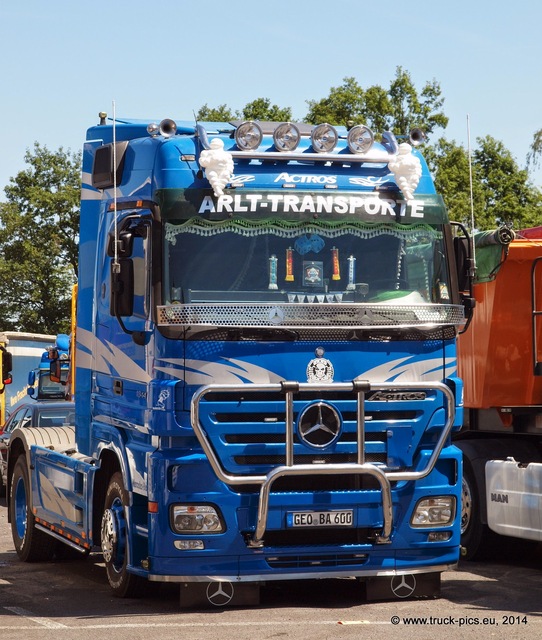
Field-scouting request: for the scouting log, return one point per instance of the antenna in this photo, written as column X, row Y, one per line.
column 470, row 175
column 471, row 192
column 116, row 265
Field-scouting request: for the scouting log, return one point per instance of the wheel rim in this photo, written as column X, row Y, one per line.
column 113, row 535
column 466, row 505
column 20, row 508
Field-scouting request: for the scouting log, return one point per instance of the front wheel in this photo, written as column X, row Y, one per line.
column 31, row 544
column 115, row 541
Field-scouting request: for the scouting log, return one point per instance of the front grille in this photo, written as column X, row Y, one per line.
column 248, row 432
column 315, row 561
column 254, row 445
column 319, row 537
column 318, row 458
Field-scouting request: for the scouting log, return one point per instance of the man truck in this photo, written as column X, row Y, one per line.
column 266, row 365
column 500, row 362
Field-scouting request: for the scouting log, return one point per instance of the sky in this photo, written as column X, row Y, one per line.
column 64, row 61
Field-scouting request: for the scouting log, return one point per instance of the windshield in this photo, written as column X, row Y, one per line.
column 239, row 260
column 57, row 417
column 47, row 389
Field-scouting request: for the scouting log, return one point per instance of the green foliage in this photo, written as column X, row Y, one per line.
column 222, row 113
column 343, row 106
column 508, row 195
column 502, row 193
column 399, row 109
column 262, row 109
column 259, row 109
column 535, row 151
column 410, row 109
column 449, row 164
column 39, row 242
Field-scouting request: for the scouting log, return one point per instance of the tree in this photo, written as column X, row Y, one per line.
column 410, row 110
column 502, row 193
column 262, row 109
column 259, row 109
column 343, row 105
column 39, row 242
column 535, row 151
column 222, row 113
column 399, row 109
column 508, row 195
column 449, row 164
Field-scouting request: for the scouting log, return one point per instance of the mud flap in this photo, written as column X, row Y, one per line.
column 403, row 587
column 205, row 595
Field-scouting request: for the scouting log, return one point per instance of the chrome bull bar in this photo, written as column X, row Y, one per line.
column 289, row 388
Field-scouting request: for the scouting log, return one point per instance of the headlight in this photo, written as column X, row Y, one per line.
column 434, row 512
column 189, row 518
column 248, row 136
column 286, row 137
column 324, row 138
column 360, row 139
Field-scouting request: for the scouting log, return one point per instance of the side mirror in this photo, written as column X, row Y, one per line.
column 464, row 260
column 7, row 366
column 55, row 372
column 122, row 288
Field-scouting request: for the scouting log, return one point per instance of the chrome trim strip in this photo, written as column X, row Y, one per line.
column 304, row 576
column 310, row 316
column 374, row 156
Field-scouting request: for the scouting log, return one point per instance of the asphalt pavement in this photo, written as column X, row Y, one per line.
column 70, row 599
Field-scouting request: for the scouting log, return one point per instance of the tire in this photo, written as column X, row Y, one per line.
column 115, row 541
column 31, row 544
column 477, row 539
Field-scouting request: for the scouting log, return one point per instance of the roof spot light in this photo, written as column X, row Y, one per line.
column 248, row 136
column 286, row 137
column 360, row 139
column 324, row 137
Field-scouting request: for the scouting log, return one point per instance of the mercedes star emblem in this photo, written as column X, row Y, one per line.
column 319, row 425
column 403, row 586
column 220, row 594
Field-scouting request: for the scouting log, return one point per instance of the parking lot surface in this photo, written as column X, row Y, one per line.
column 70, row 599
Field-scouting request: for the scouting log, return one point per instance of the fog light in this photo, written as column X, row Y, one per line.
column 248, row 136
column 439, row 536
column 195, row 519
column 360, row 139
column 286, row 137
column 434, row 512
column 188, row 545
column 324, row 138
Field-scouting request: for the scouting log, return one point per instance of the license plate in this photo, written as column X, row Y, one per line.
column 344, row 518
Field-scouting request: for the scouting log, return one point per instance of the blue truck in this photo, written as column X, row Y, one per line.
column 28, row 353
column 43, row 384
column 265, row 360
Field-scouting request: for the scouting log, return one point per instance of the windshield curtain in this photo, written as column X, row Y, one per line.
column 333, row 261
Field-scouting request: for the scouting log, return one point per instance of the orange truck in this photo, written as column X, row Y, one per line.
column 500, row 362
